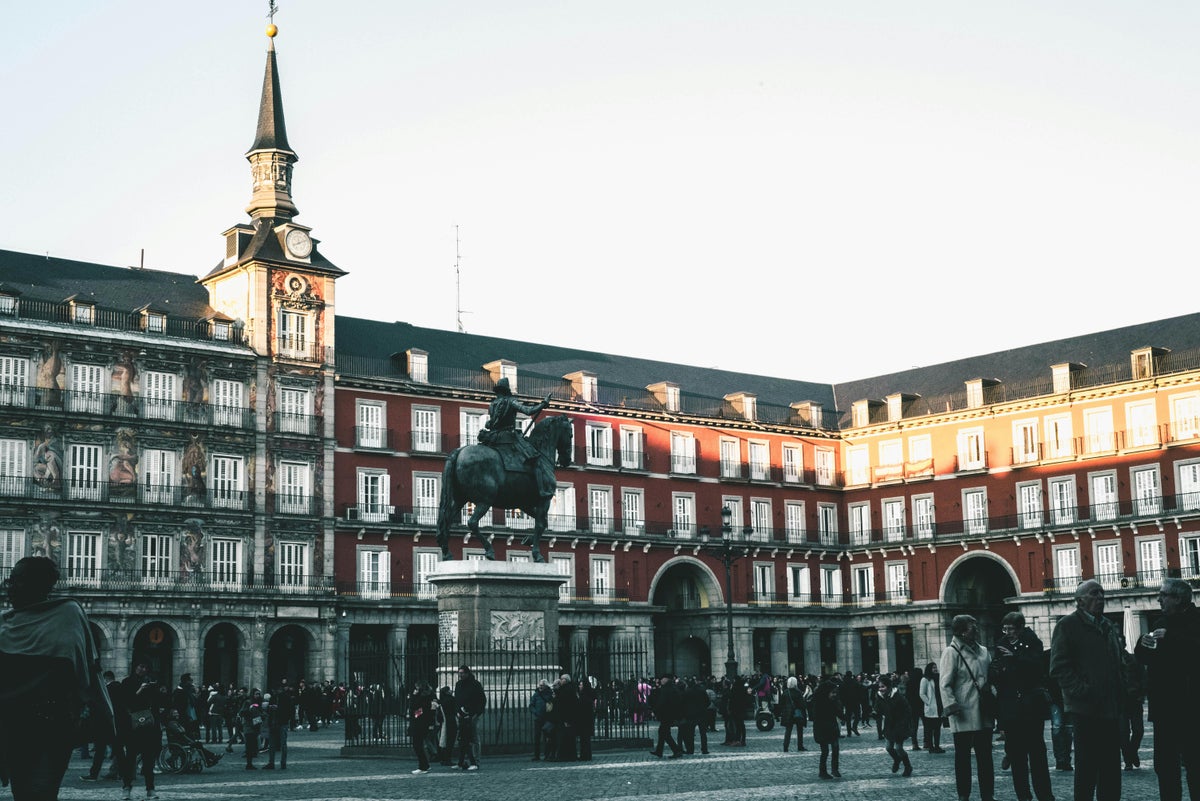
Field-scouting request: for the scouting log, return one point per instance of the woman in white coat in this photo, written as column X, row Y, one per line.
column 964, row 669
column 931, row 709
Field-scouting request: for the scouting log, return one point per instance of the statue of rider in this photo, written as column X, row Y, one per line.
column 502, row 427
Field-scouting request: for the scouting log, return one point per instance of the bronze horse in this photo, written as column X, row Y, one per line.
column 475, row 474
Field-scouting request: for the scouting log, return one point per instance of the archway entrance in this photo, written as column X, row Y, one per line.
column 681, row 633
column 221, row 646
column 978, row 586
column 287, row 656
column 156, row 643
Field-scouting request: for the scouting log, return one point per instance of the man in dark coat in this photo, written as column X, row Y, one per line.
column 667, row 705
column 695, row 716
column 471, row 701
column 1085, row 660
column 1170, row 653
column 1017, row 674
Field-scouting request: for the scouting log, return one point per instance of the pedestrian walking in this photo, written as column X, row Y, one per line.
column 826, row 713
column 1024, row 705
column 421, row 705
column 470, row 700
column 963, row 670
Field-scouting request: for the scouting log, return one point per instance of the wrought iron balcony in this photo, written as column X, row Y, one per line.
column 372, row 438
column 1141, row 580
column 115, row 405
column 181, row 495
column 290, row 423
column 135, row 579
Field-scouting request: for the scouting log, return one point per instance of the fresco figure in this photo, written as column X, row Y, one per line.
column 48, row 460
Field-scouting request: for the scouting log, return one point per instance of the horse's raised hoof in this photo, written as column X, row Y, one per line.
column 537, row 557
column 447, row 556
column 490, row 556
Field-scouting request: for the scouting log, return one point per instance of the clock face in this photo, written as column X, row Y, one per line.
column 298, row 243
column 295, row 284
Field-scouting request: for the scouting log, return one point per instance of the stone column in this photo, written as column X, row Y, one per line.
column 812, row 651
column 341, row 665
column 743, row 647
column 887, row 648
column 849, row 651
column 779, row 651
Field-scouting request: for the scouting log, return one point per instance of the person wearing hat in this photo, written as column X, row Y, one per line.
column 502, row 427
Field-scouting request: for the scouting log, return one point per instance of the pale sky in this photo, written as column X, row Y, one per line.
column 814, row 190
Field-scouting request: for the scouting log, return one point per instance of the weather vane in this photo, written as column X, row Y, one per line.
column 271, row 29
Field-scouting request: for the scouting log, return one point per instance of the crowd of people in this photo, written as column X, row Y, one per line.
column 1088, row 684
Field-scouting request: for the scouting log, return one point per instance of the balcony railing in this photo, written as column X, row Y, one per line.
column 1141, row 580
column 120, row 580
column 117, row 320
column 295, row 503
column 297, row 347
column 432, row 443
column 112, row 404
column 287, row 423
column 372, row 437
column 26, row 487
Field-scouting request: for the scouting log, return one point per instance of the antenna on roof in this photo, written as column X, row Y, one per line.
column 458, row 311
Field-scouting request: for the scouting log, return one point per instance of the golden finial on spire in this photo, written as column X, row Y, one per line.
column 271, row 29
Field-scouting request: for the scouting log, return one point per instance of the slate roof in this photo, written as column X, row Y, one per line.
column 121, row 288
column 271, row 133
column 264, row 246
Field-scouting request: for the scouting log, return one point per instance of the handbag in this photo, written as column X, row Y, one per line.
column 141, row 719
column 988, row 706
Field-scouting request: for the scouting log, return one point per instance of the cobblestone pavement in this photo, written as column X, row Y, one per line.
column 759, row 772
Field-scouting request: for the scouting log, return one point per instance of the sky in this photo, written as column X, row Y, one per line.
column 814, row 190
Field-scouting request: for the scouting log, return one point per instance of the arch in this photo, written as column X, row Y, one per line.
column 157, row 642
column 981, row 584
column 288, row 652
column 950, row 576
column 220, row 658
column 709, row 587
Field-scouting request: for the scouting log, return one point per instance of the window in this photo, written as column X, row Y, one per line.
column 764, row 582
column 1108, row 564
column 564, row 565
column 970, row 450
column 12, row 548
column 158, row 476
column 293, row 333
column 760, row 461
column 418, row 366
column 514, row 519
column 923, row 517
column 373, row 495
column 8, row 305
column 158, row 395
column 794, row 524
column 633, row 512
column 975, row 518
column 827, row 528
column 864, row 585
column 793, row 464
column 860, row 523
column 1151, row 564
column 896, row 574
column 227, row 402
column 156, row 323
column 1147, row 498
column 1098, row 425
column 13, row 466
column 893, row 519
column 85, row 472
column 600, row 513
column 225, row 562
column 83, row 313
column 632, row 456
column 1104, row 496
column 425, row 563
column 561, row 516
column 683, row 521
column 1059, row 435
column 824, row 466
column 1025, row 442
column 859, row 459
column 221, row 331
column 83, row 557
column 683, row 453
column 599, row 444
column 831, row 585
column 731, row 459
column 1029, row 505
column 799, row 585
column 86, row 395
column 1189, row 557
column 427, row 489
column 294, row 410
column 602, row 579
column 1066, row 568
column 737, row 515
column 156, row 557
column 470, row 422
column 291, row 565
column 375, row 573
column 228, row 490
column 760, row 519
column 1185, row 414
column 369, row 428
column 1188, row 485
column 1062, row 501
column 672, row 399
column 292, row 493
column 1143, row 427
column 920, row 449
column 891, row 452
column 426, row 429
column 14, row 381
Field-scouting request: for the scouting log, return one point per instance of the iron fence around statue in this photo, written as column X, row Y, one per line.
column 383, row 678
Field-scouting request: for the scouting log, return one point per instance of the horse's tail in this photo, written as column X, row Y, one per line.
column 446, row 501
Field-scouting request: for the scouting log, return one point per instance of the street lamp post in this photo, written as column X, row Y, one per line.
column 728, row 552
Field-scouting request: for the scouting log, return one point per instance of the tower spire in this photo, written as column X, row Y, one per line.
column 271, row 157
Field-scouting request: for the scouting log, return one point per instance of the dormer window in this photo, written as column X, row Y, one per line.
column 221, row 331
column 1062, row 375
column 584, row 385
column 8, row 305
column 1142, row 361
column 745, row 404
column 667, row 394
column 83, row 313
column 154, row 322
column 503, row 368
column 418, row 366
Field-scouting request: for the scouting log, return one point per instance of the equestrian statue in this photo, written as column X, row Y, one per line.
column 505, row 470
